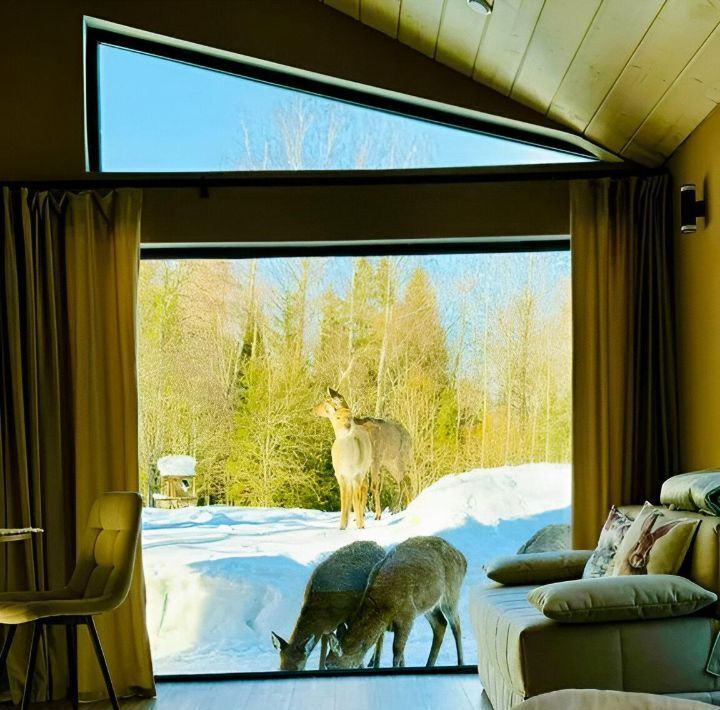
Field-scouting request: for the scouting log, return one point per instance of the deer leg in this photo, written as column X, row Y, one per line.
column 376, row 481
column 454, row 618
column 323, row 651
column 401, row 632
column 358, row 506
column 378, row 651
column 399, row 502
column 438, row 624
column 344, row 503
column 364, row 496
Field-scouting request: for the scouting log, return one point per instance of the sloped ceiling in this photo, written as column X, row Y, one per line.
column 634, row 76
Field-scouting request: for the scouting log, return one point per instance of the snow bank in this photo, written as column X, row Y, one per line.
column 220, row 579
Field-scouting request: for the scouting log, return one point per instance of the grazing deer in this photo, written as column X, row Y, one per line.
column 422, row 575
column 332, row 596
column 637, row 559
column 391, row 446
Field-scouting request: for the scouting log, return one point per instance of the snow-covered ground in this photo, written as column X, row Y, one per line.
column 220, row 579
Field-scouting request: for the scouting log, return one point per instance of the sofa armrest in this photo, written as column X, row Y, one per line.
column 538, row 567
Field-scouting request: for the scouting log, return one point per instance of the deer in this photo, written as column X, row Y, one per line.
column 422, row 575
column 392, row 450
column 391, row 446
column 332, row 596
column 636, row 561
column 351, row 456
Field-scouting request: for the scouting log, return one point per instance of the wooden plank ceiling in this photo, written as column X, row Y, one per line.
column 634, row 76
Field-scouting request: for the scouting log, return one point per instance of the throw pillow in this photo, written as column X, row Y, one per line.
column 607, row 599
column 655, row 543
column 602, row 559
column 538, row 567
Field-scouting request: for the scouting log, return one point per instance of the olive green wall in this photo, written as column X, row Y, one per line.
column 698, row 292
column 42, row 121
column 41, row 52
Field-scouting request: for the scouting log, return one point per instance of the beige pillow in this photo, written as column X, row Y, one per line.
column 654, row 543
column 606, row 599
column 538, row 567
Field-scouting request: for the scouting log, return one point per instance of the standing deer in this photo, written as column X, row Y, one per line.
column 332, row 596
column 422, row 575
column 637, row 559
column 351, row 456
column 391, row 446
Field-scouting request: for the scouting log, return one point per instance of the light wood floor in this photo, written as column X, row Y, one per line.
column 460, row 692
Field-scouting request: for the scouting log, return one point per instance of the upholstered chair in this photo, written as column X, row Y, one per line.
column 99, row 584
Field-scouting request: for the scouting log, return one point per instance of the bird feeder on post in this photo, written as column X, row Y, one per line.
column 177, row 482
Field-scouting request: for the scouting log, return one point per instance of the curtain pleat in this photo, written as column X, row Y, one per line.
column 68, row 414
column 625, row 425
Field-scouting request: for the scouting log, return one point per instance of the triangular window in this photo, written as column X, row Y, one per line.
column 162, row 114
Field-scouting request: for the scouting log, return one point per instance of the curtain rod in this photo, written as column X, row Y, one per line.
column 454, row 176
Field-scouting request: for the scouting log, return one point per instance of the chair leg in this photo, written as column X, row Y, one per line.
column 27, row 690
column 71, row 638
column 6, row 646
column 101, row 660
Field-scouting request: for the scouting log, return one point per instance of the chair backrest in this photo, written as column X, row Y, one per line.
column 106, row 549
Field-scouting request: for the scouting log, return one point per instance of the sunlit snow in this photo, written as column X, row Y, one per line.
column 220, row 579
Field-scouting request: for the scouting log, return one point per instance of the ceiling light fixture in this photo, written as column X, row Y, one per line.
column 482, row 6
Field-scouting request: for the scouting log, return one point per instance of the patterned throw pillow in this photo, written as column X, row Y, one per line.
column 655, row 543
column 601, row 561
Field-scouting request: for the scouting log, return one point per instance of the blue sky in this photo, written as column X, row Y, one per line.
column 158, row 115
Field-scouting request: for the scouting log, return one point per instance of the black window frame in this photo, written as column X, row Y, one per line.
column 95, row 36
column 289, row 79
column 390, row 247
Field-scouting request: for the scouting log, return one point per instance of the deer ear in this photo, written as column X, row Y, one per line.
column 309, row 645
column 279, row 643
column 334, row 645
column 333, row 393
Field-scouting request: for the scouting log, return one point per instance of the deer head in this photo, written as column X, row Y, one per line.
column 338, row 657
column 336, row 409
column 293, row 656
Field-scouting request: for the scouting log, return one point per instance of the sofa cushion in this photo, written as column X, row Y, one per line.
column 603, row 557
column 654, row 596
column 607, row 700
column 523, row 653
column 655, row 543
column 698, row 490
column 538, row 567
column 701, row 561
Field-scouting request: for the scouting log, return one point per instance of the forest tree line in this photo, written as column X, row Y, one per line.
column 232, row 362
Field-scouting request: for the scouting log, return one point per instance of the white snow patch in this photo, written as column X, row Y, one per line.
column 177, row 465
column 220, row 579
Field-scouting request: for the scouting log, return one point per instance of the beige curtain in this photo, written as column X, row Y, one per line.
column 68, row 335
column 625, row 426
